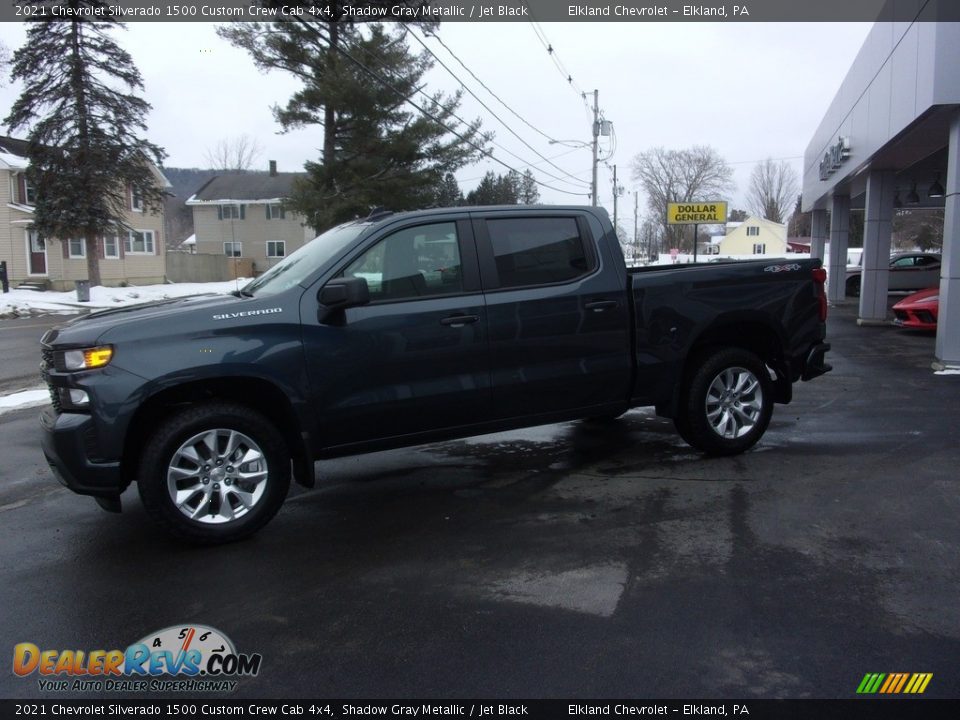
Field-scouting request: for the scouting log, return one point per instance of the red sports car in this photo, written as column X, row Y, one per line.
column 918, row 311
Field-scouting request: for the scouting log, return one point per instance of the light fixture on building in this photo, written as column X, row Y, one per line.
column 912, row 197
column 936, row 190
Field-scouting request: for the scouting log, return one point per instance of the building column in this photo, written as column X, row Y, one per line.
column 877, row 228
column 839, row 235
column 818, row 233
column 948, row 322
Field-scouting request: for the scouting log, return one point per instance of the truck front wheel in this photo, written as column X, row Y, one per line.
column 728, row 403
column 214, row 473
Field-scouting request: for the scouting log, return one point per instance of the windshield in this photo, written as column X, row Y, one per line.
column 295, row 267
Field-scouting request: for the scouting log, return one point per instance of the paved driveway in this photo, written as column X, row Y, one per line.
column 570, row 561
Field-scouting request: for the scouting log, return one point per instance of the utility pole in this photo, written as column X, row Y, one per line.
column 596, row 140
column 636, row 210
column 616, row 194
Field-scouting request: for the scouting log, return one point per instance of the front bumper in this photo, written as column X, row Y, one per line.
column 64, row 439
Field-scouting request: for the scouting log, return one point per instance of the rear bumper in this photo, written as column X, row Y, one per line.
column 813, row 364
column 63, row 441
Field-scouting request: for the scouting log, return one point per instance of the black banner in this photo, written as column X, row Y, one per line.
column 856, row 709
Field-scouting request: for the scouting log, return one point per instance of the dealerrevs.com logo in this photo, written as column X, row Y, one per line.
column 180, row 658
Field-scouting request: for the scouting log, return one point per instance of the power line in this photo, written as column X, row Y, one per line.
column 469, row 142
column 488, row 109
column 385, row 67
column 485, row 87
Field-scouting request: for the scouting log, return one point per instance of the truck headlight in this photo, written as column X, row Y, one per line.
column 87, row 358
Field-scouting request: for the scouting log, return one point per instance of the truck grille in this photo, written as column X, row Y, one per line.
column 46, row 362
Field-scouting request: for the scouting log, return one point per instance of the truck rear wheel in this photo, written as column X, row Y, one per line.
column 214, row 473
column 728, row 403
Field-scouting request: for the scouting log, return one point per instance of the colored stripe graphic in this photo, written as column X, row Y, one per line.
column 894, row 683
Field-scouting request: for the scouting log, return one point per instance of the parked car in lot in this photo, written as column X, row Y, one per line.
column 908, row 271
column 918, row 311
column 411, row 328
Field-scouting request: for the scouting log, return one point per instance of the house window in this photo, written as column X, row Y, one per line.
column 759, row 248
column 752, row 230
column 231, row 212
column 139, row 242
column 30, row 193
column 233, row 249
column 275, row 212
column 111, row 246
column 276, row 248
column 136, row 200
column 78, row 248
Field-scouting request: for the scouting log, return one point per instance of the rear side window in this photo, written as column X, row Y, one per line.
column 537, row 251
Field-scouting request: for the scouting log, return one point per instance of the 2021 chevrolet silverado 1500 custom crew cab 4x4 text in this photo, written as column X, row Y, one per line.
column 409, row 328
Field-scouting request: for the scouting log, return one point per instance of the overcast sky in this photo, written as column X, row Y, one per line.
column 751, row 90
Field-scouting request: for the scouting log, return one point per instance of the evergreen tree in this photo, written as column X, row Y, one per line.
column 495, row 190
column 80, row 104
column 448, row 194
column 529, row 194
column 356, row 78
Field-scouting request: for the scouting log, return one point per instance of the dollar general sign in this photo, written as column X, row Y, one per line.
column 696, row 213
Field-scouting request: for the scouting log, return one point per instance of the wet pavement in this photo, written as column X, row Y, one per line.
column 574, row 560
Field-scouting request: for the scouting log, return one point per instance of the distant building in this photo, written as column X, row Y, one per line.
column 241, row 215
column 134, row 254
column 755, row 236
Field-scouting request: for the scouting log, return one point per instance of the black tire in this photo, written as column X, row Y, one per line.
column 853, row 286
column 170, row 450
column 743, row 414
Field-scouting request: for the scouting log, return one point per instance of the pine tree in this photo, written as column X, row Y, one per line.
column 529, row 194
column 378, row 150
column 449, row 195
column 84, row 151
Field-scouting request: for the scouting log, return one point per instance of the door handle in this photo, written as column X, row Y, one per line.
column 459, row 320
column 601, row 305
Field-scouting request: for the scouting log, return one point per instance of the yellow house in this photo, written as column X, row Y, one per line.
column 755, row 236
column 134, row 254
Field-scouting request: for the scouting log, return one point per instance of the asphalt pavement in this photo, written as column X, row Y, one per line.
column 20, row 350
column 571, row 561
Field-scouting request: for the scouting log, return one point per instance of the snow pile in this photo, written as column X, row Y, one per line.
column 30, row 302
column 25, row 399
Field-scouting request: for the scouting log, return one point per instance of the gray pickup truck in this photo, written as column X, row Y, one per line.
column 409, row 328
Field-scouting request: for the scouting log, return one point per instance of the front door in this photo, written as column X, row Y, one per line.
column 415, row 359
column 37, row 253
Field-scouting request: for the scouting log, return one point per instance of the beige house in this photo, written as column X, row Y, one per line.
column 755, row 236
column 133, row 255
column 241, row 215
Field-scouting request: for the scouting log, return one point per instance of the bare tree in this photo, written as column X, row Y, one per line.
column 773, row 189
column 234, row 154
column 694, row 174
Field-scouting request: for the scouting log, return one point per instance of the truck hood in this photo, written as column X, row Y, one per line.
column 88, row 329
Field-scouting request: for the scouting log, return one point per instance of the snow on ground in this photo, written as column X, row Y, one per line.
column 24, row 399
column 31, row 302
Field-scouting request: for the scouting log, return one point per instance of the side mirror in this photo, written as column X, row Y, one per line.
column 342, row 293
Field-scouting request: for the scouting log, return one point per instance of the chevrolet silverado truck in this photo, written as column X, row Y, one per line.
column 407, row 328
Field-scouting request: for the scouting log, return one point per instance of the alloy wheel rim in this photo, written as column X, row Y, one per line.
column 217, row 476
column 734, row 403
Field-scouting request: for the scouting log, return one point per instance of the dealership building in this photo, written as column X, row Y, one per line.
column 890, row 139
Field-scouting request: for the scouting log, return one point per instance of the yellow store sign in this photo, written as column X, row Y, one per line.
column 697, row 213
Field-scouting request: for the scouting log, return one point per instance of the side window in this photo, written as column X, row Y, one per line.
column 421, row 261
column 537, row 251
column 924, row 261
column 903, row 262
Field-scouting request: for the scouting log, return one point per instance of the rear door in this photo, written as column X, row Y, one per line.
column 556, row 310
column 415, row 359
